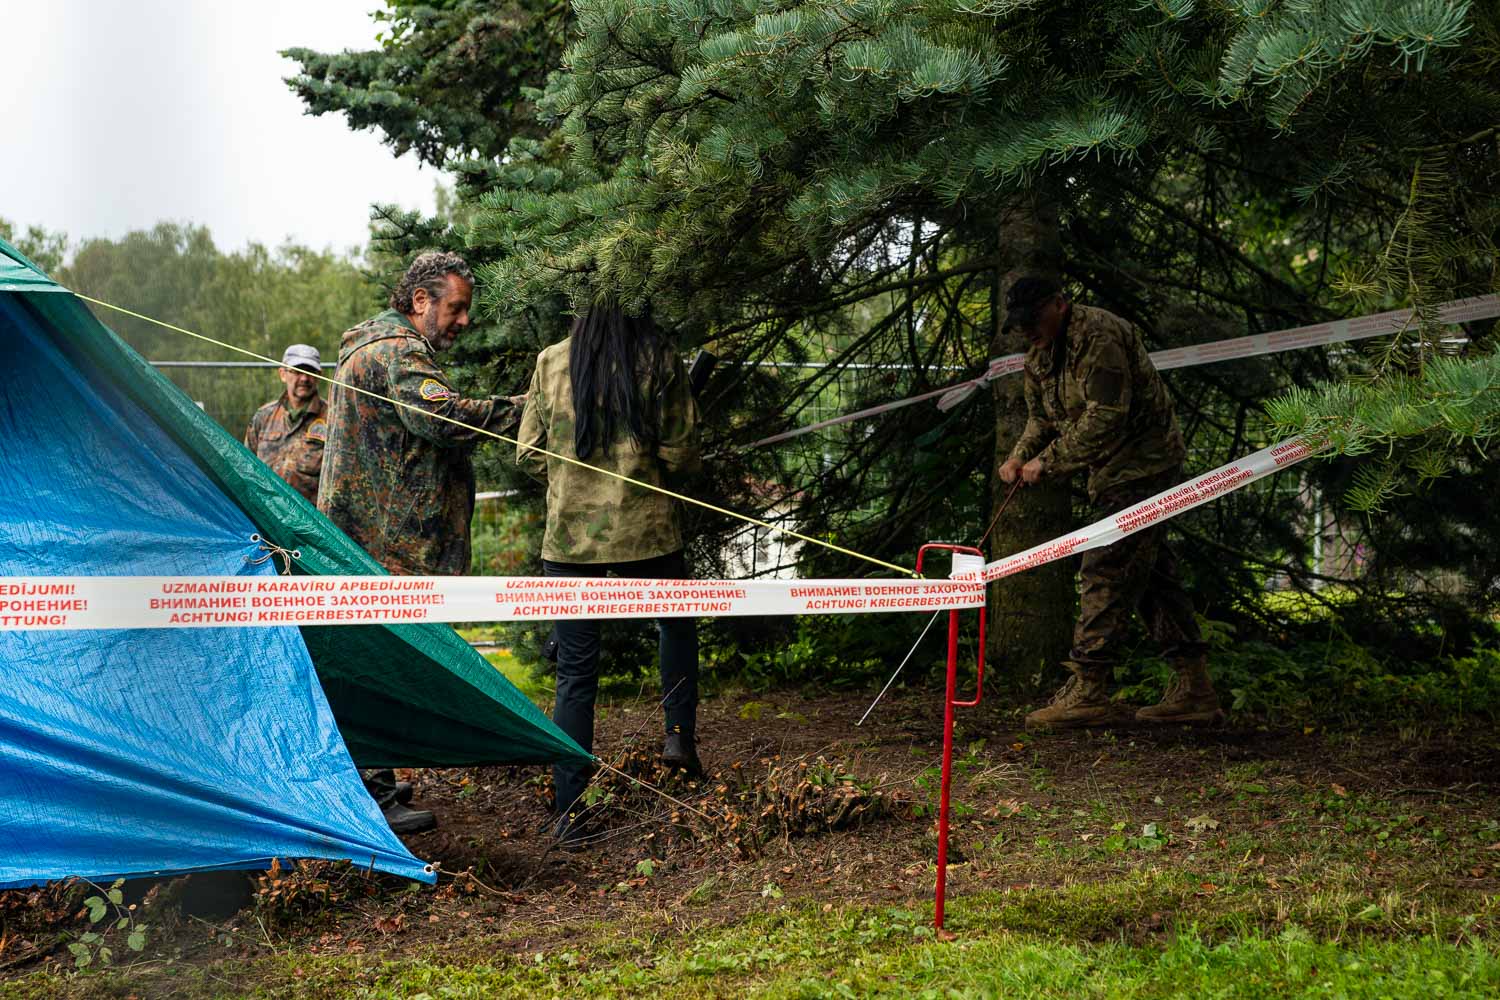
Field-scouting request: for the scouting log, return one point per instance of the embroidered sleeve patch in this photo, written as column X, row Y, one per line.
column 318, row 430
column 434, row 391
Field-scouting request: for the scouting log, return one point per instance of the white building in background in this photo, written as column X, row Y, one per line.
column 761, row 553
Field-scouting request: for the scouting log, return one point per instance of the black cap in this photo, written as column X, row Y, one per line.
column 1025, row 299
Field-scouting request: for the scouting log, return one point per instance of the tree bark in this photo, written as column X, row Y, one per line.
column 1032, row 613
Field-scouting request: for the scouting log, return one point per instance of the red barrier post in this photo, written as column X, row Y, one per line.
column 950, row 702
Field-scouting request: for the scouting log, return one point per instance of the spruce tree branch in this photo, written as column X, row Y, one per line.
column 836, row 365
column 586, row 115
column 1443, row 147
column 870, row 291
column 1292, row 570
column 1225, row 246
column 1279, row 182
column 814, row 384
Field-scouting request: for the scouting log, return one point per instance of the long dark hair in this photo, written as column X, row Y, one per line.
column 616, row 363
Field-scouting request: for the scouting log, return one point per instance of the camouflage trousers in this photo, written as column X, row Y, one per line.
column 1136, row 574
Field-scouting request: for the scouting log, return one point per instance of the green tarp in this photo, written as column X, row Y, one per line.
column 17, row 274
column 403, row 695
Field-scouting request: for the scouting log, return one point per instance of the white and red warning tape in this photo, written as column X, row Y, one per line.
column 95, row 602
column 105, row 602
column 1318, row 334
column 1153, row 510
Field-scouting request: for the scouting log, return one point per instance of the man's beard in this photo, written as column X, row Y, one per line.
column 440, row 341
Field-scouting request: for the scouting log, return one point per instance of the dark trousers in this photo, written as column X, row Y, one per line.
column 1137, row 574
column 578, row 666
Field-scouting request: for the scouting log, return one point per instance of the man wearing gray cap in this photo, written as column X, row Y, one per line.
column 288, row 433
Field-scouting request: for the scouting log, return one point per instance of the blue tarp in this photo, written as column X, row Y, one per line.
column 137, row 752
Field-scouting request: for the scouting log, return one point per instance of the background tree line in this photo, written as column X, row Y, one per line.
column 258, row 298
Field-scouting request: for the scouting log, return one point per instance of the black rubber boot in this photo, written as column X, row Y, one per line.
column 386, row 791
column 403, row 820
column 680, row 752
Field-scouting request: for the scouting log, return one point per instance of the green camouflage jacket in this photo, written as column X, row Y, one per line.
column 291, row 446
column 593, row 518
column 398, row 480
column 1095, row 401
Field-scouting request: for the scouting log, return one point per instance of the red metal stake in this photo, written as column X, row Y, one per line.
column 948, row 698
column 950, row 702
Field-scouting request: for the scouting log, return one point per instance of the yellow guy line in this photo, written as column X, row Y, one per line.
column 510, row 440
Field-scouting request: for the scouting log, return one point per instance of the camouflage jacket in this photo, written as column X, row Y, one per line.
column 593, row 518
column 397, row 479
column 291, row 446
column 1095, row 401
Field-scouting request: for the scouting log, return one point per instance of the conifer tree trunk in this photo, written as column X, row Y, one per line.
column 1032, row 613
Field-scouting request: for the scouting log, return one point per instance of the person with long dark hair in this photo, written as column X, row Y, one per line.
column 613, row 395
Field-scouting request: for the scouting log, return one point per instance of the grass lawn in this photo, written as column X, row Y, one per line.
column 1006, row 944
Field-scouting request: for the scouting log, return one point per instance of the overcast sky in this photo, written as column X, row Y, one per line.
column 116, row 114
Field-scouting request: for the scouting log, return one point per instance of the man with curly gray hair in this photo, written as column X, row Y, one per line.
column 429, row 274
column 398, row 476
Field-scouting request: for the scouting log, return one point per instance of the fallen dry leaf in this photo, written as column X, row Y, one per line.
column 390, row 925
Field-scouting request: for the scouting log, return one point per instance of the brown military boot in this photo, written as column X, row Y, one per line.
column 1082, row 701
column 1190, row 697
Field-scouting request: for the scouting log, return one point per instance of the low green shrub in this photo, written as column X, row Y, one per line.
column 1336, row 680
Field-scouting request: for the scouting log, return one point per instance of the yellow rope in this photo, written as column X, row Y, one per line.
column 510, row 440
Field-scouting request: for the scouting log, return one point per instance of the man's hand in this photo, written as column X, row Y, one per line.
column 1031, row 472
column 518, row 401
column 1010, row 470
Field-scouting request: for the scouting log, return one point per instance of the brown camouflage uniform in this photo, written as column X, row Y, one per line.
column 292, row 445
column 1095, row 401
column 600, row 519
column 398, row 480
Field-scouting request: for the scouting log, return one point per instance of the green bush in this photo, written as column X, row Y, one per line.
column 1335, row 680
column 506, row 538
